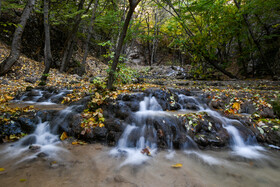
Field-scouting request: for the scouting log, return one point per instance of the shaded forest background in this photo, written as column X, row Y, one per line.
column 239, row 39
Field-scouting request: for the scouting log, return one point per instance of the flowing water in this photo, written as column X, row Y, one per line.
column 40, row 159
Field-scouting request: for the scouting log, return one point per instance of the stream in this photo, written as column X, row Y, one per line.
column 42, row 159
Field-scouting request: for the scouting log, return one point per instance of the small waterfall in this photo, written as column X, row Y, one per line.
column 149, row 104
column 40, row 143
column 123, row 142
column 44, row 141
column 237, row 139
column 238, row 145
column 140, row 134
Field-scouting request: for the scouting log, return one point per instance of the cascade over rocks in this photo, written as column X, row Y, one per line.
column 170, row 128
column 170, row 118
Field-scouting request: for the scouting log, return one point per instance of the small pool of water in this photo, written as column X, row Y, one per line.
column 93, row 165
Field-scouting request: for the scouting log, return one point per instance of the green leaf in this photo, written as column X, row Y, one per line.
column 261, row 130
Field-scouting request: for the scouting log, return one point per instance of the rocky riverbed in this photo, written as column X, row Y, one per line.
column 181, row 112
column 224, row 133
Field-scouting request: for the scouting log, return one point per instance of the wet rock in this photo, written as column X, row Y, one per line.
column 109, row 110
column 27, row 125
column 34, row 93
column 201, row 140
column 81, row 105
column 29, row 140
column 29, row 88
column 10, row 128
column 133, row 105
column 191, row 106
column 171, row 130
column 162, row 97
column 97, row 133
column 216, row 105
column 31, row 80
column 114, row 125
column 57, row 99
column 267, row 113
column 132, row 97
column 122, row 110
column 42, row 155
column 48, row 95
column 273, row 137
column 34, row 148
column 182, row 91
column 244, row 132
column 175, row 106
column 113, row 137
column 248, row 108
column 189, row 103
column 74, row 125
column 223, row 137
column 47, row 115
column 2, row 139
column 100, row 133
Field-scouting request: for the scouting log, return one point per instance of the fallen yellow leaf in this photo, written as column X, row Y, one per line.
column 7, row 97
column 177, row 165
column 74, row 143
column 236, row 106
column 63, row 136
column 2, row 169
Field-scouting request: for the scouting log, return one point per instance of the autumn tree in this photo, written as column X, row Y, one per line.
column 47, row 49
column 90, row 29
column 132, row 5
column 68, row 50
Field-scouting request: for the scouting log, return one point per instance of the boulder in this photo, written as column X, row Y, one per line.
column 267, row 113
column 248, row 108
column 97, row 134
column 27, row 125
column 31, row 80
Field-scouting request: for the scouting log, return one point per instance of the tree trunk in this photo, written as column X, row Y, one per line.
column 47, row 50
column 89, row 33
column 148, row 43
column 70, row 41
column 111, row 77
column 16, row 43
column 217, row 67
column 154, row 39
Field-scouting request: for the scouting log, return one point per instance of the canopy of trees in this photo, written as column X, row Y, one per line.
column 211, row 35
